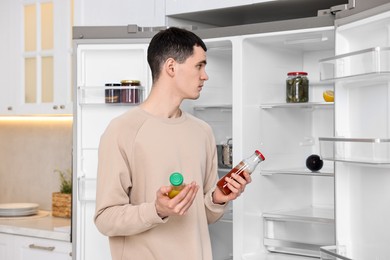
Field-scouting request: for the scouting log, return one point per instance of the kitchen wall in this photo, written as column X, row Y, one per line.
column 31, row 148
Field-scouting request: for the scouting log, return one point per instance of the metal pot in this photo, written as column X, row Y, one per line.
column 227, row 153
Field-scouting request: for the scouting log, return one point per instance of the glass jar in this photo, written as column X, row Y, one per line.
column 111, row 93
column 297, row 87
column 132, row 92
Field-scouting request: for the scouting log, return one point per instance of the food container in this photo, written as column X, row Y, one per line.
column 297, row 87
column 112, row 93
column 131, row 91
column 227, row 153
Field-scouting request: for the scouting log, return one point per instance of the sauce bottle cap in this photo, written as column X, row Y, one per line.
column 260, row 155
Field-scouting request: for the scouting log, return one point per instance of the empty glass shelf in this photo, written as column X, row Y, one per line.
column 302, row 172
column 311, row 105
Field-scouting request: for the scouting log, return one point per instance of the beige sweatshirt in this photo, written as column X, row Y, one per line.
column 137, row 154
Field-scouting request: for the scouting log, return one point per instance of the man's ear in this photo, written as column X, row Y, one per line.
column 170, row 67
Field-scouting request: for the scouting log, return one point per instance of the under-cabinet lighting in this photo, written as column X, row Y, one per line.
column 308, row 39
column 62, row 118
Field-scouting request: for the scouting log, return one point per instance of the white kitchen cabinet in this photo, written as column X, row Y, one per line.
column 46, row 63
column 16, row 97
column 10, row 65
column 123, row 12
column 6, row 247
column 13, row 247
column 30, row 248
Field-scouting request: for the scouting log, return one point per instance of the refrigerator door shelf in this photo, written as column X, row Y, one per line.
column 94, row 95
column 356, row 65
column 371, row 151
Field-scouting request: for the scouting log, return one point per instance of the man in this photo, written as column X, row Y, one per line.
column 141, row 148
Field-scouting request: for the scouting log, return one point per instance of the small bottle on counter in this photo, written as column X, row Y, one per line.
column 297, row 87
column 176, row 179
column 132, row 91
column 247, row 165
column 111, row 93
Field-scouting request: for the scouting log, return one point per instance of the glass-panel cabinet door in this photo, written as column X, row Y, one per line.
column 46, row 57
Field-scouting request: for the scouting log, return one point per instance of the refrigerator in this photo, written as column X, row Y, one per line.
column 288, row 212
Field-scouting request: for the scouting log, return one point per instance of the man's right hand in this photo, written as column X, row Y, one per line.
column 178, row 205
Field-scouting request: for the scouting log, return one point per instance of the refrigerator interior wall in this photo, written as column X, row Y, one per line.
column 98, row 64
column 215, row 102
column 362, row 111
column 215, row 107
column 287, row 134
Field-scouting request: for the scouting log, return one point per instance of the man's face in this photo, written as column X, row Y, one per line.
column 191, row 74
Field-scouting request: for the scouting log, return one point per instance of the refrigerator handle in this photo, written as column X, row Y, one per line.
column 132, row 28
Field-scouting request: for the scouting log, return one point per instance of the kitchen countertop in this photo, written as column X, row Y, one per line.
column 42, row 226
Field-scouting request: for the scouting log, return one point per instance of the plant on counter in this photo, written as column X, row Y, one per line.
column 66, row 180
column 62, row 201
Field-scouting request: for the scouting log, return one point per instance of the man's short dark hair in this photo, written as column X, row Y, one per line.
column 175, row 43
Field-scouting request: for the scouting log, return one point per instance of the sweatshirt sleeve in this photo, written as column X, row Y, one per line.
column 213, row 211
column 115, row 215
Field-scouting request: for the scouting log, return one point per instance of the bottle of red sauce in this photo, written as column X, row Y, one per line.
column 247, row 165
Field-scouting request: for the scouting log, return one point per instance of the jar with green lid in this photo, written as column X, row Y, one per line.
column 297, row 87
column 131, row 91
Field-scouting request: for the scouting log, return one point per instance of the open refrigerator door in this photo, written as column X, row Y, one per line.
column 100, row 66
column 361, row 145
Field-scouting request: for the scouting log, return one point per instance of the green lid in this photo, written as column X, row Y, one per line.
column 176, row 179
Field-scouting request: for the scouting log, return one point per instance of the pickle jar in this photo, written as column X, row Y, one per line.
column 297, row 87
column 131, row 91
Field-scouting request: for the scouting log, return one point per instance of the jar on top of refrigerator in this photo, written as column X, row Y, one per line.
column 297, row 87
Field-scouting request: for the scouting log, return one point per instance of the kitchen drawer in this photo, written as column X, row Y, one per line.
column 35, row 248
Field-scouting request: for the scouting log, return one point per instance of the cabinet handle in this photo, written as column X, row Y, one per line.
column 62, row 106
column 47, row 248
column 55, row 107
column 70, row 253
column 9, row 108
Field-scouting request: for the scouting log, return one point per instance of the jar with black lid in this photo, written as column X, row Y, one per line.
column 132, row 91
column 297, row 87
column 112, row 93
